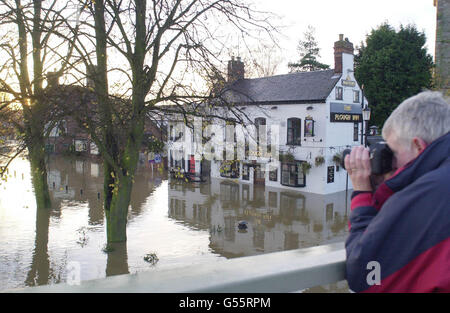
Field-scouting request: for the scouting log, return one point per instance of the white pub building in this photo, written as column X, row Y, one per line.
column 307, row 119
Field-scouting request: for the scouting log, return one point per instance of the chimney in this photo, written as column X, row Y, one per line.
column 340, row 47
column 52, row 79
column 236, row 70
column 90, row 76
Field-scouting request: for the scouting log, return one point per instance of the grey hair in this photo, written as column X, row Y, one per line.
column 425, row 115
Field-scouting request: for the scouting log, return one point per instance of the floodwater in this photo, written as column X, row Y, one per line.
column 174, row 222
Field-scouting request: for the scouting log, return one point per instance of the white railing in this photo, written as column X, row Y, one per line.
column 286, row 271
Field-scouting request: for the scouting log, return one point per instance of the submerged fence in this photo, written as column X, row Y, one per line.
column 285, row 271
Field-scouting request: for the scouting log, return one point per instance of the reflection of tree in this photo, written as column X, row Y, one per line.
column 117, row 261
column 84, row 177
column 40, row 266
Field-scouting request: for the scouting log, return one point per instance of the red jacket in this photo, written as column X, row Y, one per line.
column 405, row 228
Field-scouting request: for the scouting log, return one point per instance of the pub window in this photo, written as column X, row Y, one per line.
column 292, row 174
column 260, row 121
column 273, row 174
column 80, row 145
column 356, row 96
column 245, row 172
column 230, row 132
column 309, row 127
column 229, row 169
column 339, row 93
column 330, row 174
column 355, row 131
column 294, row 136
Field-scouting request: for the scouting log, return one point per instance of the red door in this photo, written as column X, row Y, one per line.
column 192, row 165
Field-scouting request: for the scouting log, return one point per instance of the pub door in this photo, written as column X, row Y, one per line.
column 258, row 175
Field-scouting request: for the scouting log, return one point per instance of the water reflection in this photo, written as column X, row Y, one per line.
column 39, row 273
column 117, row 262
column 275, row 219
column 178, row 223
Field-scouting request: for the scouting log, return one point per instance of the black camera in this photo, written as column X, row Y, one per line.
column 380, row 157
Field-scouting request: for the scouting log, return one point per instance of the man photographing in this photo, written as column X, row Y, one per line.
column 404, row 225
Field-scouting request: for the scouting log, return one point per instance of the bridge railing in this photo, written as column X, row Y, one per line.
column 286, row 271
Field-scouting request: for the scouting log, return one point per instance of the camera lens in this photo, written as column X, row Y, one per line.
column 344, row 154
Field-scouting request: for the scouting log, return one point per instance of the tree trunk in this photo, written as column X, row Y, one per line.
column 36, row 152
column 39, row 176
column 116, row 215
column 120, row 195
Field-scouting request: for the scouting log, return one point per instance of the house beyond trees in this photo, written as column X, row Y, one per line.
column 65, row 132
column 308, row 117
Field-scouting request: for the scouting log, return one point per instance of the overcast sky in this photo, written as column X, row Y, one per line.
column 353, row 18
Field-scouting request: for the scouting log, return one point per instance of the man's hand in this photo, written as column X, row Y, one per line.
column 357, row 164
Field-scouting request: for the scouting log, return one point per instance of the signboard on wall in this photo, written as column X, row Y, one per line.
column 330, row 174
column 345, row 113
column 345, row 118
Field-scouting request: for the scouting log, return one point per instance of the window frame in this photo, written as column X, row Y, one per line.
column 290, row 166
column 356, row 96
column 296, row 139
column 339, row 93
column 273, row 174
column 247, row 175
column 234, row 171
column 260, row 121
column 305, row 132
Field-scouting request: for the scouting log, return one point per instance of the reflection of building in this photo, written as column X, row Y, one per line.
column 277, row 219
column 311, row 117
column 81, row 179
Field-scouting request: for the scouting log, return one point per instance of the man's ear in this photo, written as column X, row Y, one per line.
column 418, row 145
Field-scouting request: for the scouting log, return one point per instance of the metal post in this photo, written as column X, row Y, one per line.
column 362, row 122
column 366, row 133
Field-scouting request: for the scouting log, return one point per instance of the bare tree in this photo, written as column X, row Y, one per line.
column 30, row 50
column 162, row 47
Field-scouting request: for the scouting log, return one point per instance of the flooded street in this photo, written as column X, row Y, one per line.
column 175, row 223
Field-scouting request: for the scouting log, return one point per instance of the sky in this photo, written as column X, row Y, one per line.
column 353, row 18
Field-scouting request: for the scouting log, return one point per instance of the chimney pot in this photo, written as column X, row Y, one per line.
column 341, row 37
column 236, row 70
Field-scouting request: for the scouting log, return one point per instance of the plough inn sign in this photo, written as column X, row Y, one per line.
column 345, row 113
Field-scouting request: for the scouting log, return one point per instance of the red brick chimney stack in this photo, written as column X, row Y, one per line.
column 341, row 46
column 236, row 70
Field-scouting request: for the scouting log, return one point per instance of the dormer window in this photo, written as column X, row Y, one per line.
column 355, row 96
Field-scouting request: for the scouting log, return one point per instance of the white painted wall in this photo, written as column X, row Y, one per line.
column 329, row 138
